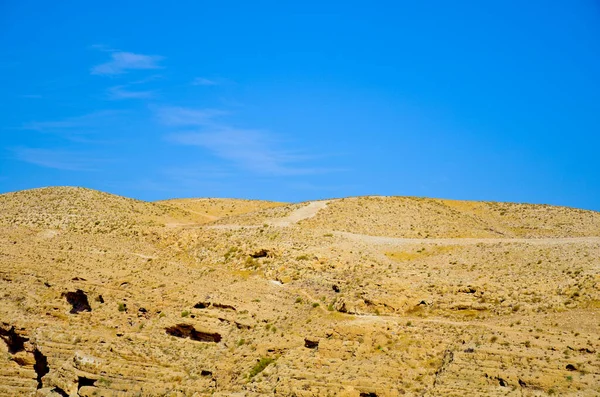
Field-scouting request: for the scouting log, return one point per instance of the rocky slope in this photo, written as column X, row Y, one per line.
column 356, row 297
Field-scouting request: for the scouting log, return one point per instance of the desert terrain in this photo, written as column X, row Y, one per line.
column 102, row 295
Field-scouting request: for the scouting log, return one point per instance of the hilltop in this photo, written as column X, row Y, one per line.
column 361, row 296
column 83, row 210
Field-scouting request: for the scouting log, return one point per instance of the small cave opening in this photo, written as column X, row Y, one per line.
column 311, row 344
column 60, row 391
column 79, row 301
column 41, row 366
column 188, row 331
column 223, row 306
column 14, row 341
column 368, row 394
column 262, row 253
column 83, row 381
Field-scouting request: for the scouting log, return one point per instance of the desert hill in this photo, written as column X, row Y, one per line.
column 368, row 296
column 414, row 217
column 211, row 209
column 84, row 210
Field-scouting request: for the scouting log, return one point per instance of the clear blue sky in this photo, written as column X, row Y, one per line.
column 302, row 100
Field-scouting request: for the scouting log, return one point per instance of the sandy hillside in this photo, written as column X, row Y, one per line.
column 83, row 210
column 211, row 209
column 369, row 296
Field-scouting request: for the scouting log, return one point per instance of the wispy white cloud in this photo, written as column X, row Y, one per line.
column 87, row 128
column 57, row 159
column 252, row 150
column 204, row 81
column 121, row 62
column 121, row 92
column 174, row 116
column 212, row 81
column 103, row 47
column 80, row 123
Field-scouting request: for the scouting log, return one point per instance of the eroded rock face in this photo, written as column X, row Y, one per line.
column 41, row 366
column 188, row 331
column 13, row 340
column 262, row 253
column 380, row 316
column 206, row 305
column 79, row 301
column 311, row 344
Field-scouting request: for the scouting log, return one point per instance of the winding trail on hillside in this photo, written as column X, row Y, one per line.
column 396, row 241
column 306, row 212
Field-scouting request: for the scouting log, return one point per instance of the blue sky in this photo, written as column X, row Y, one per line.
column 303, row 100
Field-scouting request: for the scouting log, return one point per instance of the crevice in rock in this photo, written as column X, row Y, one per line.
column 188, row 331
column 41, row 366
column 14, row 341
column 368, row 394
column 60, row 391
column 237, row 324
column 79, row 301
column 206, row 305
column 205, row 373
column 311, row 344
column 446, row 361
column 22, row 361
column 83, row 381
column 222, row 306
column 262, row 253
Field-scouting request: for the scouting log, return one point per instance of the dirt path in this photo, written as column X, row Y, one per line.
column 379, row 240
column 308, row 211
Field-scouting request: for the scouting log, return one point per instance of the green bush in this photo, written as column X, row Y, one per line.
column 260, row 366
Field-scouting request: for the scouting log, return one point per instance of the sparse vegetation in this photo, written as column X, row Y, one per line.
column 494, row 298
column 260, row 366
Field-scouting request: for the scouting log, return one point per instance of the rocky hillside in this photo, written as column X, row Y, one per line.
column 379, row 296
column 414, row 217
column 211, row 209
column 83, row 210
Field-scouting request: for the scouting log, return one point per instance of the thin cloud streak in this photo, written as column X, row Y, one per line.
column 80, row 123
column 56, row 159
column 174, row 116
column 120, row 92
column 204, row 81
column 252, row 150
column 122, row 62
